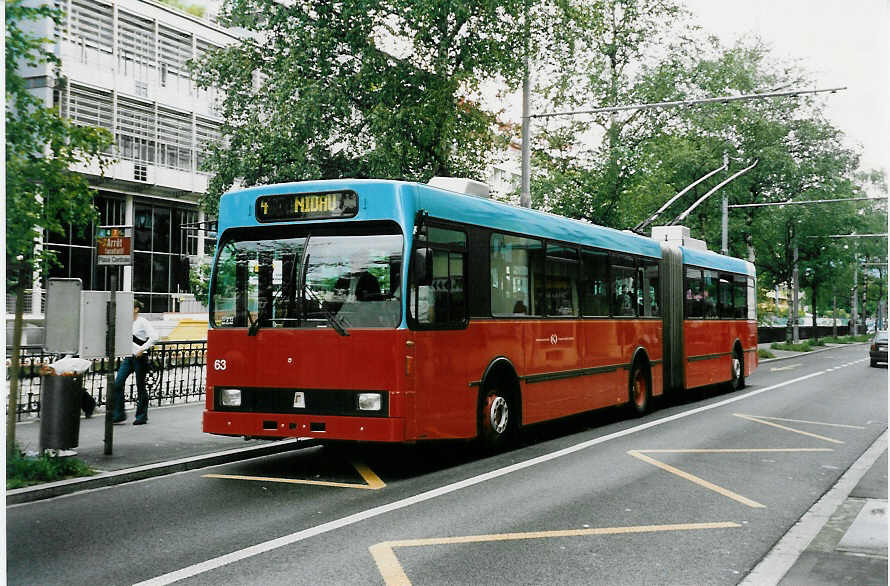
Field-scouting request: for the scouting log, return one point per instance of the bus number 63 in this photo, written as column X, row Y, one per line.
column 219, row 365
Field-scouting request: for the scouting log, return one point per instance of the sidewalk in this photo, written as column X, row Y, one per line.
column 172, row 441
column 843, row 539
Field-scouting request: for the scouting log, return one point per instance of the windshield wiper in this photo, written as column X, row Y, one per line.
column 332, row 319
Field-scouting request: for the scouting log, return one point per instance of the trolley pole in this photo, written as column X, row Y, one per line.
column 110, row 314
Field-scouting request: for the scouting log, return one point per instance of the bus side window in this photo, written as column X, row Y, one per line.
column 725, row 296
column 517, row 272
column 595, row 283
column 752, row 299
column 624, row 286
column 693, row 294
column 650, row 289
column 710, row 294
column 740, row 295
column 561, row 266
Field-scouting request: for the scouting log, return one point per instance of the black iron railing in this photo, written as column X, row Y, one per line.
column 177, row 375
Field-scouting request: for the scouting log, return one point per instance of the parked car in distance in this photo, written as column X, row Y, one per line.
column 878, row 349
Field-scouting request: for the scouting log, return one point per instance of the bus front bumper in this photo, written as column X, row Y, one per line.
column 279, row 425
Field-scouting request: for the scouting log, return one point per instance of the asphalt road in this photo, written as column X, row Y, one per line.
column 694, row 493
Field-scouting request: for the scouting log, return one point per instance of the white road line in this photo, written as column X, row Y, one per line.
column 292, row 538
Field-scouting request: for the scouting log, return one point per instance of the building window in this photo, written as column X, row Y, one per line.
column 207, row 134
column 161, row 246
column 174, row 140
column 135, row 132
column 76, row 252
column 174, row 51
column 135, row 45
column 92, row 25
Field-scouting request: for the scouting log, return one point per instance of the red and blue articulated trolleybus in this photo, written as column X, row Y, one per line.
column 388, row 311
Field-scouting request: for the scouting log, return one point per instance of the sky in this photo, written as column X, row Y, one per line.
column 840, row 43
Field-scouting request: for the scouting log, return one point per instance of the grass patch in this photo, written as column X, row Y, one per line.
column 23, row 471
column 849, row 339
column 788, row 347
column 763, row 353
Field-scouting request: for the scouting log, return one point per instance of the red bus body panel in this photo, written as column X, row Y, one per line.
column 708, row 348
column 372, row 360
column 553, row 359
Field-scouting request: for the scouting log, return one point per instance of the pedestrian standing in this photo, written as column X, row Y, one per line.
column 144, row 337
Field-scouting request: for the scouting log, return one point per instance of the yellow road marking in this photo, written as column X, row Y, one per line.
column 695, row 479
column 811, row 422
column 789, row 367
column 394, row 575
column 373, row 482
column 786, row 428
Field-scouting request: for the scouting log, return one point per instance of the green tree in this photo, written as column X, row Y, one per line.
column 605, row 54
column 360, row 88
column 41, row 192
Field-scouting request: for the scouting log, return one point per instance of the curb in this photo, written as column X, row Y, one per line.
column 63, row 487
column 810, row 353
column 782, row 557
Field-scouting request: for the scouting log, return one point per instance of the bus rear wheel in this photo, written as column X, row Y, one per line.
column 640, row 390
column 738, row 371
column 496, row 419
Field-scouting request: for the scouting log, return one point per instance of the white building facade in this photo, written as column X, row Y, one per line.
column 123, row 68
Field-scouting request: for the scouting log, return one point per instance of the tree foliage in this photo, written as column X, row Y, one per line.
column 360, row 88
column 41, row 146
column 41, row 191
column 617, row 169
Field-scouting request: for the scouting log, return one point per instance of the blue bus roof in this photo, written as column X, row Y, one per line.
column 711, row 260
column 382, row 199
column 400, row 201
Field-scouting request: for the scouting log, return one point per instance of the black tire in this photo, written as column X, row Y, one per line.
column 873, row 364
column 497, row 418
column 639, row 390
column 737, row 374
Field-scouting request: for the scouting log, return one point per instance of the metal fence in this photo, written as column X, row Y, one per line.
column 177, row 375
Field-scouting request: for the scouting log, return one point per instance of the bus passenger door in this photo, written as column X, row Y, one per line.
column 437, row 310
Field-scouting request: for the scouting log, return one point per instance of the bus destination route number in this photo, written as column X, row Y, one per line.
column 306, row 206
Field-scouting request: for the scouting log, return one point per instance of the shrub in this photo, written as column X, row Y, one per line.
column 22, row 470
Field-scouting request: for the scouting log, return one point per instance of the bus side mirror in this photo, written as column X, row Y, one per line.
column 423, row 266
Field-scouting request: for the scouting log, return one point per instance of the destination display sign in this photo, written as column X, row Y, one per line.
column 306, row 206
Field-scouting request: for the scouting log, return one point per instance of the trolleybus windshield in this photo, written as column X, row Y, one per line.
column 343, row 280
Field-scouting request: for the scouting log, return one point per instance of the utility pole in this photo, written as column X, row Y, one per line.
column 834, row 316
column 525, row 197
column 855, row 297
column 795, row 279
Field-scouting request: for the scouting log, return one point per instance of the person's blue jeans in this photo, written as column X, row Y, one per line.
column 129, row 365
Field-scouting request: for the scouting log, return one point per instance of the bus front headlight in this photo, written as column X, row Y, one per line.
column 230, row 397
column 369, row 401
